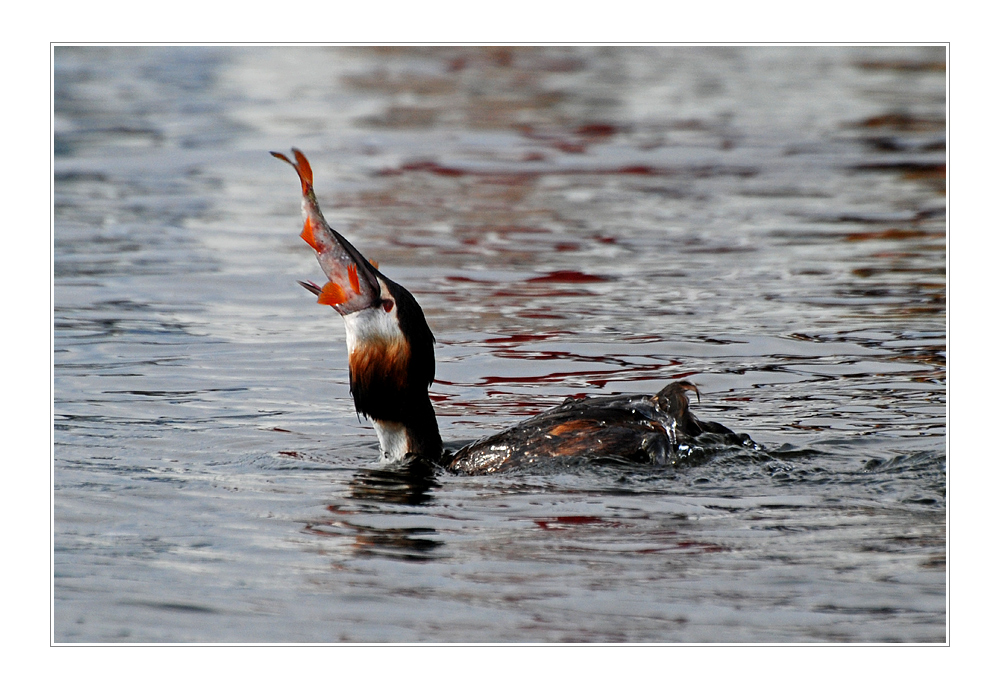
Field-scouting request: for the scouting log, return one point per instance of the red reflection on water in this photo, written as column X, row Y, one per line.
column 525, row 337
column 639, row 170
column 596, row 130
column 891, row 234
column 567, row 277
column 568, row 520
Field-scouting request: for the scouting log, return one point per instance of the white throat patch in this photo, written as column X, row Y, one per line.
column 370, row 325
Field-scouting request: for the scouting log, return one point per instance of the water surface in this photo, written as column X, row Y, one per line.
column 767, row 222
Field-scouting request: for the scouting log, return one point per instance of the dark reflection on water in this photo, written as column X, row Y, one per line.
column 767, row 222
column 403, row 543
column 410, row 484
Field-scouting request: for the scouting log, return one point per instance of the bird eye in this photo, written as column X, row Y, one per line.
column 388, row 304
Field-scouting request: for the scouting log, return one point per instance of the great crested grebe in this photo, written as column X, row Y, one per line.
column 391, row 363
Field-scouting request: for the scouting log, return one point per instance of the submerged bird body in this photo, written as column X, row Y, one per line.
column 391, row 364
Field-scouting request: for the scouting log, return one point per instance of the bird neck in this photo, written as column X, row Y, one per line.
column 398, row 440
column 391, row 363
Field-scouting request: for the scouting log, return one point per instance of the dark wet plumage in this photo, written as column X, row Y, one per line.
column 635, row 428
